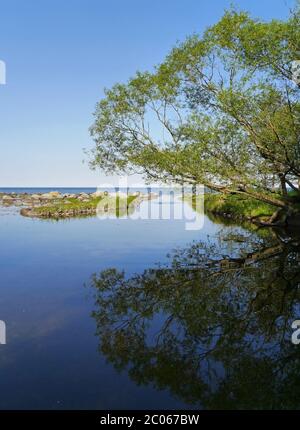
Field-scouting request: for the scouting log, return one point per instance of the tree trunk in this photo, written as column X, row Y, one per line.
column 266, row 199
column 292, row 185
column 283, row 185
column 243, row 190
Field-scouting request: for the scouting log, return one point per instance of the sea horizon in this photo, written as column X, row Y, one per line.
column 88, row 190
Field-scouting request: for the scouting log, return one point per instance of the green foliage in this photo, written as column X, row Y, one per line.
column 68, row 204
column 236, row 205
column 221, row 110
column 210, row 324
column 116, row 205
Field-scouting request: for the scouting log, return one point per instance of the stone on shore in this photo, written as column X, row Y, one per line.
column 7, row 199
column 35, row 196
column 97, row 194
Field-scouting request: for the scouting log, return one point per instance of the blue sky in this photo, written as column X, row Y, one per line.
column 60, row 55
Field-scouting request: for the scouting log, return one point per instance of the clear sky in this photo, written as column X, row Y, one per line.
column 60, row 55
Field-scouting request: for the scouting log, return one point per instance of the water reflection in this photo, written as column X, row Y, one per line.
column 214, row 326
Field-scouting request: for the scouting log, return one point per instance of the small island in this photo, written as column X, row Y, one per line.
column 55, row 205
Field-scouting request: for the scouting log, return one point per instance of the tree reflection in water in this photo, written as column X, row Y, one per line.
column 213, row 327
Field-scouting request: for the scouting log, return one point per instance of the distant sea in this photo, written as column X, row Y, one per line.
column 34, row 190
column 68, row 190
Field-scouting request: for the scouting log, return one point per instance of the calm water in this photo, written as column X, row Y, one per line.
column 94, row 322
column 46, row 190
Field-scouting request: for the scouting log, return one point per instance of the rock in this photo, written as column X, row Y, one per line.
column 97, row 194
column 84, row 195
column 7, row 199
column 51, row 196
column 35, row 196
column 46, row 196
column 84, row 198
column 54, row 195
column 26, row 212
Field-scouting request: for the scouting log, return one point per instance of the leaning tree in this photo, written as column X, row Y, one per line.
column 222, row 110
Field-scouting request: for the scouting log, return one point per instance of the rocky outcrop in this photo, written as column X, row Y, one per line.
column 59, row 214
column 8, row 199
column 56, row 205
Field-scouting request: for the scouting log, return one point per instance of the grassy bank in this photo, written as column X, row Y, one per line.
column 68, row 205
column 72, row 207
column 238, row 206
column 235, row 206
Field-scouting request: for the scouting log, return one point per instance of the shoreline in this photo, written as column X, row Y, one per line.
column 54, row 205
column 242, row 209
